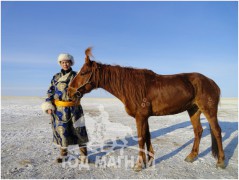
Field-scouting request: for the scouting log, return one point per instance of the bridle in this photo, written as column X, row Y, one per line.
column 78, row 94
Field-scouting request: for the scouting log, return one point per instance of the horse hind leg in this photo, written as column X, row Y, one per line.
column 209, row 109
column 194, row 114
column 217, row 148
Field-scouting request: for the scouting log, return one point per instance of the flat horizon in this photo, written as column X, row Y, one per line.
column 18, row 96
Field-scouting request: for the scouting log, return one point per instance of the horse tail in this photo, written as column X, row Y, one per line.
column 88, row 53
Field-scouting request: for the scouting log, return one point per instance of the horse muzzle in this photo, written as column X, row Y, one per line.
column 78, row 95
column 74, row 93
column 71, row 92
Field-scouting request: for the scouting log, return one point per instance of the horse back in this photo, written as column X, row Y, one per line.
column 172, row 94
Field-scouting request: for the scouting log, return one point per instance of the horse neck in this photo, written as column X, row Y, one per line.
column 109, row 80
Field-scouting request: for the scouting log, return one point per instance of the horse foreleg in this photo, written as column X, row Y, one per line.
column 150, row 150
column 141, row 123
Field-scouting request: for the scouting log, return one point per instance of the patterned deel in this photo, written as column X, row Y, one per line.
column 63, row 118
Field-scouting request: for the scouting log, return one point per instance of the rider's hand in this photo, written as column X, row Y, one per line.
column 49, row 111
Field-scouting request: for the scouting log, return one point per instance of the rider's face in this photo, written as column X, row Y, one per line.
column 65, row 64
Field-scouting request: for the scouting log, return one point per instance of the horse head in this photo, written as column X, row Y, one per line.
column 85, row 80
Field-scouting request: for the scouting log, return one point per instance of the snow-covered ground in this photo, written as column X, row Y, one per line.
column 27, row 150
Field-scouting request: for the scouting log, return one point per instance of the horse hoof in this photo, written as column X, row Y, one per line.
column 61, row 159
column 221, row 165
column 58, row 160
column 189, row 159
column 151, row 162
column 137, row 167
column 83, row 160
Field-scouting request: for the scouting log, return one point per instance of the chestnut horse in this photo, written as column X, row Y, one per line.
column 145, row 93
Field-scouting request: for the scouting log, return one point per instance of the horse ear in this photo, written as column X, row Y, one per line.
column 88, row 54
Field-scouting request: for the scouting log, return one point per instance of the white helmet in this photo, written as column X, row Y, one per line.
column 66, row 56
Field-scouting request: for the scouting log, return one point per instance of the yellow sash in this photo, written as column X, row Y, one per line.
column 66, row 103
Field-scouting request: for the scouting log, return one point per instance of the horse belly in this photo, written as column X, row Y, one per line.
column 172, row 101
column 169, row 109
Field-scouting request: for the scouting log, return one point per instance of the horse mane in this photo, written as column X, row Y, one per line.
column 127, row 82
column 124, row 82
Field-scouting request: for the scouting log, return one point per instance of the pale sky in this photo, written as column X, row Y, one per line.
column 166, row 37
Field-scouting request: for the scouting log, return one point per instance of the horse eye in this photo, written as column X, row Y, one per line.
column 82, row 73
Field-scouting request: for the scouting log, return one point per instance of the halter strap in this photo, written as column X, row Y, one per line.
column 87, row 82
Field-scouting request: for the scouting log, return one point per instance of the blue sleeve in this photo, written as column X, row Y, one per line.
column 51, row 90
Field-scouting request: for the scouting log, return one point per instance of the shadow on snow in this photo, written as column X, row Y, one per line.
column 228, row 128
